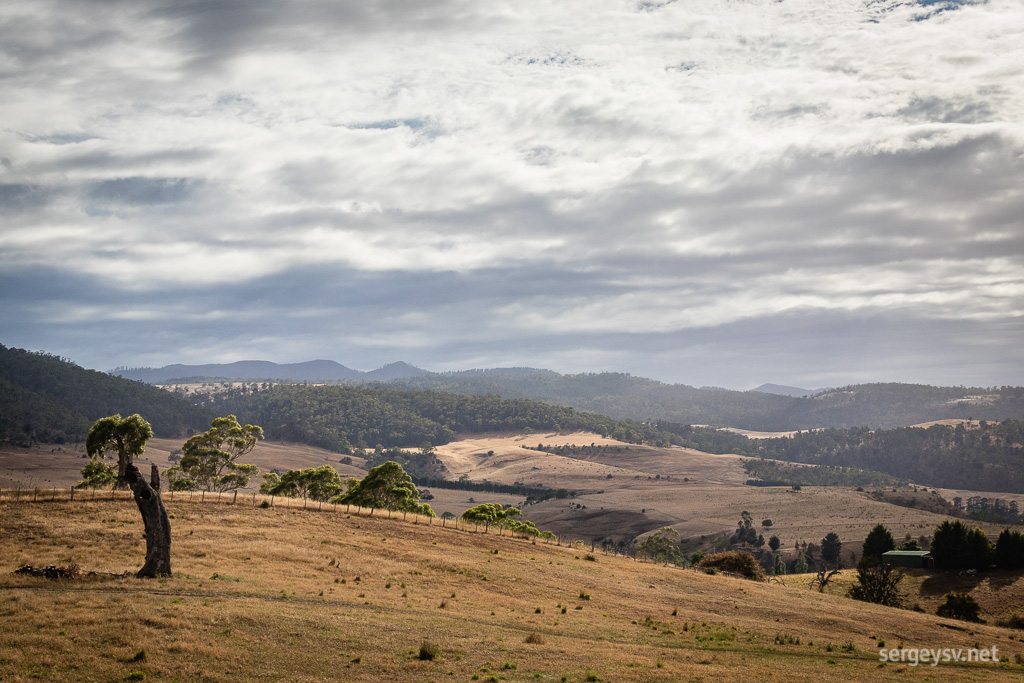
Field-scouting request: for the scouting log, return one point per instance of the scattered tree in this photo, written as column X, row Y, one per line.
column 774, row 543
column 128, row 436
column 955, row 546
column 318, row 483
column 878, row 541
column 1009, row 553
column 960, row 606
column 830, row 548
column 209, row 460
column 661, row 546
column 877, row 582
column 386, row 486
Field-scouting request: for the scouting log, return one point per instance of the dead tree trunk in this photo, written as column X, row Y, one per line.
column 154, row 517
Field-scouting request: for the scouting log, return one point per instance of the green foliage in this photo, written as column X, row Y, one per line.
column 800, row 566
column 125, row 436
column 209, row 461
column 957, row 546
column 984, row 457
column 831, row 546
column 774, row 473
column 1009, row 552
column 774, row 543
column 386, row 486
column 45, row 398
column 96, row 474
column 662, row 546
column 778, row 566
column 910, row 544
column 317, row 483
column 879, row 540
column 735, row 562
column 341, row 418
column 429, row 651
column 745, row 532
column 877, row 582
column 960, row 606
column 490, row 513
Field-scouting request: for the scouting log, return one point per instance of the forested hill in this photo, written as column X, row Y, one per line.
column 984, row 456
column 878, row 406
column 342, row 417
column 50, row 399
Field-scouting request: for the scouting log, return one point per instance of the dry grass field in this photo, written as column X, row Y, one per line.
column 302, row 595
column 623, row 492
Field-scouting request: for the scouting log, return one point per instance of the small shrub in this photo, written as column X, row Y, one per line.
column 735, row 562
column 429, row 651
column 590, row 558
column 960, row 606
column 140, row 656
column 137, row 676
column 509, row 665
column 1014, row 621
column 535, row 639
column 265, row 504
column 584, row 596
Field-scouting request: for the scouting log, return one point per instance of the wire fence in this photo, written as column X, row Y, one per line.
column 256, row 500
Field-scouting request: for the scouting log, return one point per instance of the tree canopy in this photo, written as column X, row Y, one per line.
column 209, row 461
column 125, row 436
column 386, row 486
column 879, row 540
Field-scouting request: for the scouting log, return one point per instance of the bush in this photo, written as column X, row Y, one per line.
column 960, row 606
column 734, row 562
column 429, row 651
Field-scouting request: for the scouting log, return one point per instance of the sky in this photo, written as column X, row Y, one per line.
column 710, row 192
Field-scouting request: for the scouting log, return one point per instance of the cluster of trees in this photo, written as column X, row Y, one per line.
column 420, row 463
column 883, row 405
column 385, row 487
column 984, row 458
column 342, row 418
column 954, row 545
column 45, row 398
column 504, row 517
column 774, row 473
column 989, row 509
column 532, row 494
column 312, row 483
column 574, row 451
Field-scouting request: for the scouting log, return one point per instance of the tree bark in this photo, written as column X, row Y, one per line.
column 155, row 519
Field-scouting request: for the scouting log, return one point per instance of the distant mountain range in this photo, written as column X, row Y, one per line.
column 262, row 370
column 783, row 390
column 770, row 407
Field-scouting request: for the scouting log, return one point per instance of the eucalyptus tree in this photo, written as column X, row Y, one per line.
column 128, row 437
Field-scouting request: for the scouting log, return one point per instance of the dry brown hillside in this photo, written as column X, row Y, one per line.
column 286, row 594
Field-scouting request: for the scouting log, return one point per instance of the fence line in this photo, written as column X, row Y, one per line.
column 27, row 495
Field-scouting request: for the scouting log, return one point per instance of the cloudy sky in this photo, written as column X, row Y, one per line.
column 712, row 192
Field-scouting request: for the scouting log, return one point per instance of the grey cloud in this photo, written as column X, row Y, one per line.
column 144, row 191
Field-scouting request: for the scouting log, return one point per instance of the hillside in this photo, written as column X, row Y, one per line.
column 275, row 594
column 770, row 407
column 877, row 406
column 50, row 399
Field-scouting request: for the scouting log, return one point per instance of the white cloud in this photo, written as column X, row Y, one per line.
column 701, row 163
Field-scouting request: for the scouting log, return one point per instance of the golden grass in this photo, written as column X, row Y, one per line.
column 291, row 594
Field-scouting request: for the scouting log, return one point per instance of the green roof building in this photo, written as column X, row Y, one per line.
column 913, row 559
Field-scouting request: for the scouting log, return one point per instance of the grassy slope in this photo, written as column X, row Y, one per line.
column 259, row 596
